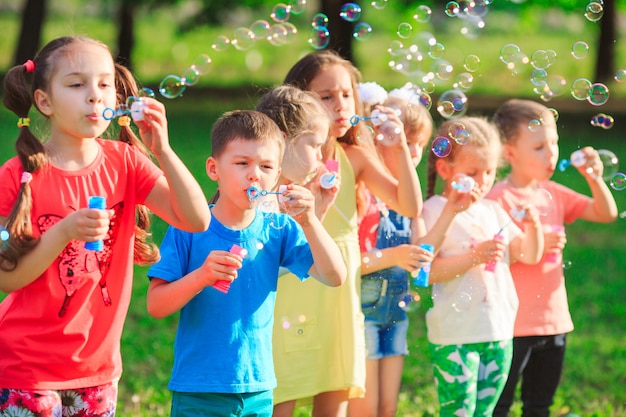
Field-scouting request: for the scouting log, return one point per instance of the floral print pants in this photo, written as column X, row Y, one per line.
column 97, row 401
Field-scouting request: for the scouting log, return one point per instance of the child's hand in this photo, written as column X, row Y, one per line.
column 153, row 127
column 411, row 257
column 460, row 201
column 299, row 203
column 554, row 239
column 531, row 216
column 488, row 251
column 220, row 265
column 88, row 224
column 324, row 197
column 393, row 117
column 593, row 168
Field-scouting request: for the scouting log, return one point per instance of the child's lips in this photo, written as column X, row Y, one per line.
column 94, row 117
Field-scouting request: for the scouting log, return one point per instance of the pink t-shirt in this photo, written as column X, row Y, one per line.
column 543, row 308
column 63, row 330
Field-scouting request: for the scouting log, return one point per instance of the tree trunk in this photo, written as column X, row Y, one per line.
column 29, row 41
column 605, row 61
column 340, row 30
column 126, row 33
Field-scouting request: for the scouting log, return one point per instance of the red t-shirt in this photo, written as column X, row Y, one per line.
column 63, row 330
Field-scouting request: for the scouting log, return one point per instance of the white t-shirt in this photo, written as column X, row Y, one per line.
column 478, row 306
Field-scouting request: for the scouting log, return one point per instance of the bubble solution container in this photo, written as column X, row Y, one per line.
column 491, row 266
column 421, row 280
column 96, row 202
column 329, row 179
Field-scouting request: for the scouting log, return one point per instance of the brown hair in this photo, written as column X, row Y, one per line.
column 514, row 113
column 307, row 68
column 18, row 97
column 482, row 133
column 249, row 125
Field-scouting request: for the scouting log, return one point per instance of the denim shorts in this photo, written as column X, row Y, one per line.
column 382, row 342
column 208, row 404
column 386, row 323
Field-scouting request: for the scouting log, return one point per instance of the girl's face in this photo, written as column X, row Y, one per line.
column 333, row 85
column 478, row 162
column 244, row 164
column 416, row 142
column 534, row 154
column 82, row 85
column 304, row 154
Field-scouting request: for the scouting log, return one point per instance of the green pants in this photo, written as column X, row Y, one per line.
column 471, row 377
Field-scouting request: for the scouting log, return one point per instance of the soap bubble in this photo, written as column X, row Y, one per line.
column 362, row 31
column 280, row 13
column 471, row 63
column 422, row 14
column 171, row 86
column 452, row 104
column 461, row 302
column 598, row 94
column 618, row 181
column 319, row 37
column 441, row 146
column 350, row 12
column 580, row 50
column 580, row 88
column 220, row 43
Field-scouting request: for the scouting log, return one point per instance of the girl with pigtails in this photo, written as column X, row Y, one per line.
column 61, row 323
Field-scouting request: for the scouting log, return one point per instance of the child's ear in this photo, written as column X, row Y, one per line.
column 507, row 153
column 211, row 168
column 443, row 168
column 42, row 102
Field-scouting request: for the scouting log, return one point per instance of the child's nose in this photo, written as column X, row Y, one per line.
column 254, row 174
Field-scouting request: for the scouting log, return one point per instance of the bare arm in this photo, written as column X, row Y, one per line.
column 176, row 197
column 405, row 256
column 528, row 248
column 85, row 224
column 165, row 298
column 602, row 208
column 328, row 266
column 402, row 194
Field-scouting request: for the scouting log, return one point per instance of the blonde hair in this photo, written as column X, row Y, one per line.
column 295, row 111
column 482, row 134
column 414, row 116
column 18, row 97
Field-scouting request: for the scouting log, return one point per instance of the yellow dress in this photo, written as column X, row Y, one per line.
column 319, row 336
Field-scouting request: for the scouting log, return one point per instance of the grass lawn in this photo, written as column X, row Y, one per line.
column 595, row 369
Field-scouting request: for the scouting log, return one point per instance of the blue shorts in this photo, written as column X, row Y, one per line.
column 382, row 342
column 211, row 404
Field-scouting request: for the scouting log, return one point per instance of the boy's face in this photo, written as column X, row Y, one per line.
column 244, row 164
column 534, row 154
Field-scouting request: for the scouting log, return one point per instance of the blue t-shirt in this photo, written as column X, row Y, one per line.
column 224, row 341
